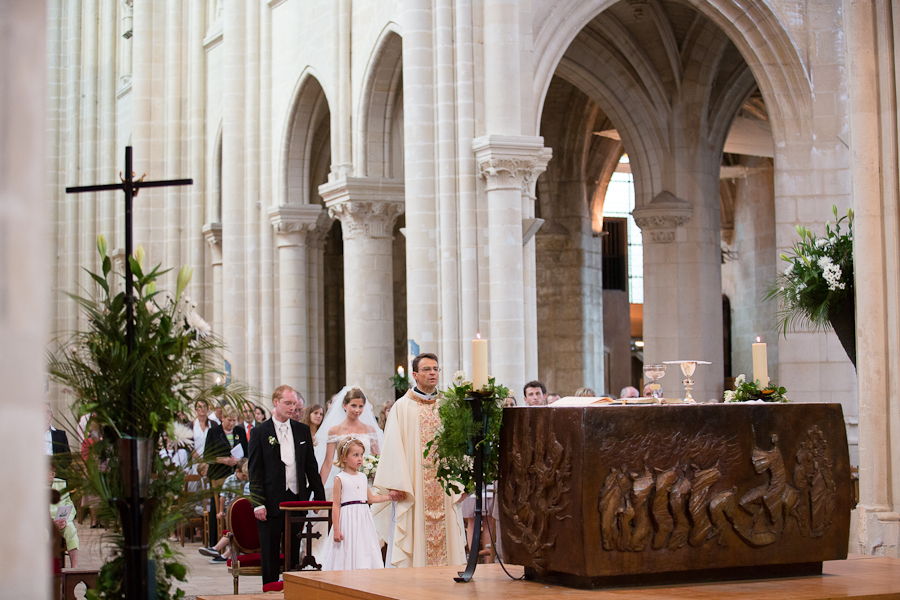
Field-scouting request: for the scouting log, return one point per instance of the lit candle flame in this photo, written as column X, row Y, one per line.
column 478, row 336
column 757, row 340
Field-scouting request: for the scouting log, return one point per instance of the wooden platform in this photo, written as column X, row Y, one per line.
column 866, row 577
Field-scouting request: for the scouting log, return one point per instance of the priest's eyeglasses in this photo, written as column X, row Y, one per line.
column 430, row 370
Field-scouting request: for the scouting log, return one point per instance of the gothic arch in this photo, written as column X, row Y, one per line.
column 380, row 107
column 753, row 27
column 306, row 142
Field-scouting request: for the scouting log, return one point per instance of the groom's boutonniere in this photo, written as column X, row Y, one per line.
column 273, row 441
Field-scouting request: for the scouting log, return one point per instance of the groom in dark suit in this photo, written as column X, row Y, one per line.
column 283, row 468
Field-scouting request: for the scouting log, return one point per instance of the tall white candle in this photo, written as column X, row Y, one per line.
column 760, row 363
column 479, row 363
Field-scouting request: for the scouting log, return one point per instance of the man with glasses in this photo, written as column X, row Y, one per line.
column 422, row 525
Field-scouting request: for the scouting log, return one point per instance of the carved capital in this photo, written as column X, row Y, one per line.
column 511, row 162
column 662, row 216
column 292, row 222
column 366, row 207
column 213, row 234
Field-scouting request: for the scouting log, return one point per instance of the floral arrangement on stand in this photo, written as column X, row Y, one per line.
column 750, row 391
column 816, row 287
column 170, row 368
column 453, row 446
column 399, row 382
column 369, row 466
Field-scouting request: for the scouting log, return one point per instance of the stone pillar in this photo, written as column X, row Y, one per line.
column 529, row 265
column 873, row 71
column 234, row 313
column 423, row 287
column 213, row 234
column 24, row 297
column 506, row 163
column 367, row 209
column 291, row 224
column 315, row 244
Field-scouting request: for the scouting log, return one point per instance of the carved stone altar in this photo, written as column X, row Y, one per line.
column 627, row 495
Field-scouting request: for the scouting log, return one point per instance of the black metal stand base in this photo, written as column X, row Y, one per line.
column 477, row 403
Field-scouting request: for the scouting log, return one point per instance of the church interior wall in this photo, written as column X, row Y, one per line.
column 255, row 62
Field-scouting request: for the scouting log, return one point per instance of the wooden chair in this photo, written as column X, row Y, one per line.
column 65, row 580
column 196, row 520
column 243, row 539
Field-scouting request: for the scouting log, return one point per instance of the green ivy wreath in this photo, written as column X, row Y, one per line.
column 453, row 446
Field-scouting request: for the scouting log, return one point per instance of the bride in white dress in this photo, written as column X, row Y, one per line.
column 350, row 415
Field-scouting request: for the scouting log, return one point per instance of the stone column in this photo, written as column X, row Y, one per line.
column 291, row 224
column 529, row 264
column 422, row 261
column 234, row 294
column 24, row 296
column 872, row 75
column 506, row 163
column 213, row 234
column 367, row 209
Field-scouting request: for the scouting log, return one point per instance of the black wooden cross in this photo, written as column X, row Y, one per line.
column 134, row 525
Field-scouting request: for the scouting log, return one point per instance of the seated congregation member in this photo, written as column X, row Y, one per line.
column 629, row 392
column 534, row 393
column 585, row 392
column 222, row 442
column 552, row 397
column 282, row 468
column 312, row 418
column 236, row 485
column 201, row 427
column 66, row 525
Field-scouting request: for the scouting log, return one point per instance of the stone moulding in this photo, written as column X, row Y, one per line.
column 292, row 221
column 662, row 216
column 511, row 162
column 366, row 206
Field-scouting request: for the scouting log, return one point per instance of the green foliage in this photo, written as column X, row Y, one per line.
column 399, row 383
column 453, row 446
column 818, row 278
column 745, row 391
column 172, row 366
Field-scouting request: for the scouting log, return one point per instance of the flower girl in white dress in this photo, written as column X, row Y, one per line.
column 353, row 543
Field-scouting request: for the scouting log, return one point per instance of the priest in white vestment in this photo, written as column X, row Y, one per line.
column 427, row 529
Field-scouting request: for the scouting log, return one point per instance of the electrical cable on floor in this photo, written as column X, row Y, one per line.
column 494, row 544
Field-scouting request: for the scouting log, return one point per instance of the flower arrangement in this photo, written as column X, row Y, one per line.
column 171, row 366
column 816, row 287
column 453, row 446
column 748, row 391
column 400, row 383
column 369, row 466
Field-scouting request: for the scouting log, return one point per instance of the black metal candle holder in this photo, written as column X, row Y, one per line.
column 476, row 401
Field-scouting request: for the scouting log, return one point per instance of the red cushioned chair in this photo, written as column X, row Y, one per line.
column 243, row 537
column 297, row 513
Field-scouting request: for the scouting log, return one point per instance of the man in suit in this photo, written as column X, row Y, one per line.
column 283, row 468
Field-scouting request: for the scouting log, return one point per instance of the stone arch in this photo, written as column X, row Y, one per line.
column 380, row 107
column 753, row 27
column 307, row 125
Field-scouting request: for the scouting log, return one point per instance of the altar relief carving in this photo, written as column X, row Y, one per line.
column 538, row 496
column 671, row 508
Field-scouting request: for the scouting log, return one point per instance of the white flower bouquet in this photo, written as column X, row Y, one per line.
column 369, row 466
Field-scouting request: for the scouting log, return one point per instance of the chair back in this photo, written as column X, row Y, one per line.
column 242, row 524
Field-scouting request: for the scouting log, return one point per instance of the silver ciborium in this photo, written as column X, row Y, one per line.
column 687, row 368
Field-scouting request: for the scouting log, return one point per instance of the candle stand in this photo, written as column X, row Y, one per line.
column 476, row 401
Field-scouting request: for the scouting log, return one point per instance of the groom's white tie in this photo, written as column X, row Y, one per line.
column 285, row 440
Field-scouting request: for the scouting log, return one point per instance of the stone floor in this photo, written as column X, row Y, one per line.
column 204, row 578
